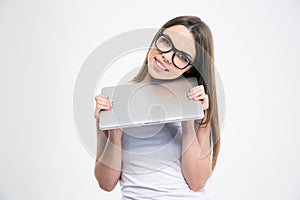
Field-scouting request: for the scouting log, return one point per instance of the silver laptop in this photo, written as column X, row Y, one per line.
column 150, row 103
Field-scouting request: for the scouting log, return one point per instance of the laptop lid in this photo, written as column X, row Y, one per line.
column 156, row 102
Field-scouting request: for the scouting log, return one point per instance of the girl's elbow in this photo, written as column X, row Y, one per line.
column 106, row 187
column 196, row 186
column 104, row 182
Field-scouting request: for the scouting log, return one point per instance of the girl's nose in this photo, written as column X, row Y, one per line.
column 167, row 57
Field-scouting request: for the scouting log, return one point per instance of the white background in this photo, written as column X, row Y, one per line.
column 43, row 45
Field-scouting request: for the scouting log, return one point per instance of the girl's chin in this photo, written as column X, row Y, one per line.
column 160, row 77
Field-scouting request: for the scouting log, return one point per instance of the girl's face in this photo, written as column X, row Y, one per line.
column 171, row 53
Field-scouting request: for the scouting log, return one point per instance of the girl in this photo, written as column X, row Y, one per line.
column 172, row 160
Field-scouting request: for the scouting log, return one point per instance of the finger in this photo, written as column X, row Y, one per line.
column 196, row 91
column 103, row 101
column 196, row 94
column 203, row 98
column 102, row 106
column 101, row 96
column 204, row 104
column 198, row 87
column 99, row 108
column 200, row 97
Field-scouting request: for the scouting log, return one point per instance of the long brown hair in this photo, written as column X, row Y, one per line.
column 203, row 69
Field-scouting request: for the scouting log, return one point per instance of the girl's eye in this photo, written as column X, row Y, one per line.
column 183, row 57
column 166, row 42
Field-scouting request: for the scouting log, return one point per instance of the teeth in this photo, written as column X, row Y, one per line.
column 160, row 66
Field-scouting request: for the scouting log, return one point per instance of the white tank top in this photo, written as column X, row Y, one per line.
column 151, row 166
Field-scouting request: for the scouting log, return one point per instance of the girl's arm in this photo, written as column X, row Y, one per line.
column 196, row 162
column 109, row 150
column 109, row 158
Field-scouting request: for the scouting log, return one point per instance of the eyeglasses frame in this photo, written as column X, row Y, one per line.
column 160, row 33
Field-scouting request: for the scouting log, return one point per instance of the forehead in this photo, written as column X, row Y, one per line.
column 182, row 39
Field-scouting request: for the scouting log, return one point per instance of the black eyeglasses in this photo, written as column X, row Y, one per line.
column 180, row 59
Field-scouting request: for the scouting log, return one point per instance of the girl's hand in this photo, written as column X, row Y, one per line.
column 197, row 93
column 102, row 103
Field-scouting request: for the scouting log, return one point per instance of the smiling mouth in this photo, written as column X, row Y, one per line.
column 160, row 66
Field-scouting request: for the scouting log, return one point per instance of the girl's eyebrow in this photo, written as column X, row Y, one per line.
column 175, row 47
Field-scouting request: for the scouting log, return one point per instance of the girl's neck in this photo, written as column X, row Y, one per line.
column 147, row 78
